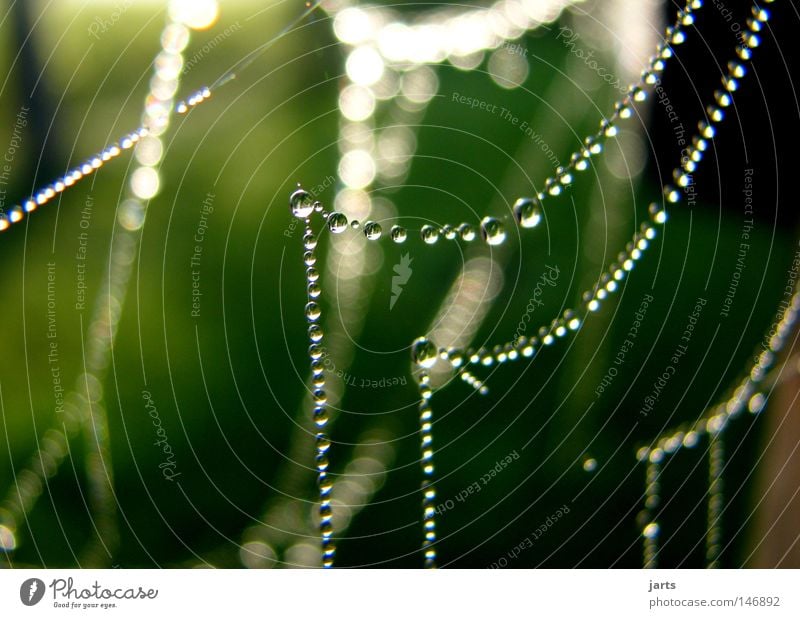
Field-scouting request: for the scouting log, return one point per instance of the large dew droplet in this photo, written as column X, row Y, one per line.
column 313, row 312
column 337, row 222
column 429, row 234
column 302, row 204
column 372, row 230
column 423, row 353
column 493, row 231
column 399, row 234
column 527, row 212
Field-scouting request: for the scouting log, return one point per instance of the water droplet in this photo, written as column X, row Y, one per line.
column 429, row 234
column 355, row 224
column 337, row 222
column 424, row 353
column 313, row 290
column 372, row 230
column 309, row 240
column 313, row 312
column 399, row 234
column 302, row 204
column 448, row 232
column 456, row 357
column 590, row 464
column 315, row 333
column 493, row 231
column 651, row 531
column 756, row 403
column 527, row 212
column 467, row 232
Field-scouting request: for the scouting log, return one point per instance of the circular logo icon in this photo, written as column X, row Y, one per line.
column 31, row 591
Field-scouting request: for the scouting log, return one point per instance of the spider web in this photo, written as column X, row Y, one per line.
column 401, row 115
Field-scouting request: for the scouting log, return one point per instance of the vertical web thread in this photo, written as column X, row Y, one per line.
column 716, row 465
column 313, row 314
column 652, row 530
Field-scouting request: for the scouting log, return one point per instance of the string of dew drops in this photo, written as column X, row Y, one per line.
column 424, row 355
column 303, row 206
column 712, row 423
column 46, row 194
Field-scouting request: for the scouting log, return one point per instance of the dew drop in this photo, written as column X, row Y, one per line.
column 399, row 234
column 337, row 222
column 424, row 353
column 467, row 232
column 309, row 240
column 313, row 312
column 355, row 224
column 313, row 290
column 372, row 230
column 429, row 234
column 448, row 232
column 302, row 204
column 315, row 333
column 590, row 464
column 456, row 357
column 527, row 212
column 493, row 232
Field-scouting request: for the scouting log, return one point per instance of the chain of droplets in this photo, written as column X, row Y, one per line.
column 424, row 356
column 652, row 499
column 716, row 464
column 527, row 211
column 17, row 213
column 749, row 40
column 750, row 394
column 84, row 406
column 572, row 319
column 303, row 206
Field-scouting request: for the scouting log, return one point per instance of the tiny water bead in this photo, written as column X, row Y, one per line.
column 590, row 464
column 398, row 234
column 355, row 224
column 372, row 230
column 337, row 222
column 493, row 231
column 302, row 204
column 527, row 212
